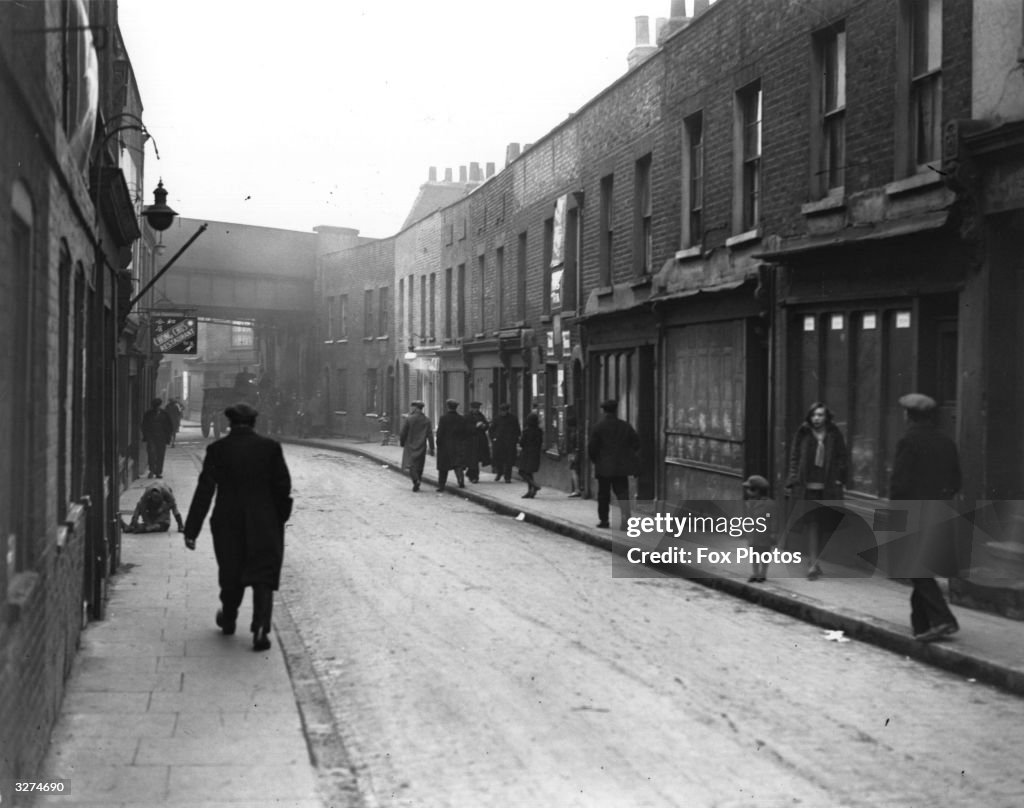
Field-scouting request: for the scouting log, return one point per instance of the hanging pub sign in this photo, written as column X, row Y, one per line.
column 174, row 333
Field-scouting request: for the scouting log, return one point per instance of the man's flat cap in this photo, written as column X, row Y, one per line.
column 475, row 403
column 417, row 403
column 241, row 414
column 452, row 404
column 757, row 482
column 918, row 402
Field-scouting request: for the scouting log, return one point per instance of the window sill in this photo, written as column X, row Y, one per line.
column 545, row 319
column 604, row 291
column 834, row 201
column 689, row 253
column 20, row 589
column 743, row 238
column 640, row 282
column 925, row 179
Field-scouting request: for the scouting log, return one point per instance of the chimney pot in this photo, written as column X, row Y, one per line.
column 433, row 174
column 678, row 8
column 490, row 170
column 447, row 175
column 474, row 172
column 511, row 152
column 462, row 174
column 643, row 31
column 700, row 6
column 659, row 28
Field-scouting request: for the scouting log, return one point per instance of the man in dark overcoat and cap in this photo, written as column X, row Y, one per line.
column 250, row 477
column 451, row 445
column 157, row 430
column 613, row 448
column 479, row 448
column 416, row 438
column 926, row 468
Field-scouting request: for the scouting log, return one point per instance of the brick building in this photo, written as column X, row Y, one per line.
column 71, row 174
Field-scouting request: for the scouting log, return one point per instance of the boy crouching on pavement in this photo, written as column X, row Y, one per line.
column 153, row 511
column 757, row 504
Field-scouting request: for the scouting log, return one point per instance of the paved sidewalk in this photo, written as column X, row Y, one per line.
column 164, row 710
column 989, row 648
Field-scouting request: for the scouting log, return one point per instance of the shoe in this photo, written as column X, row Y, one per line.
column 440, row 490
column 508, row 479
column 761, row 580
column 225, row 625
column 260, row 640
column 603, row 524
column 931, row 635
column 497, row 478
column 415, row 487
column 753, row 579
column 574, row 494
column 946, row 629
column 529, row 494
column 814, row 573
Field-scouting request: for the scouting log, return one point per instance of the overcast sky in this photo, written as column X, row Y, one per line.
column 306, row 112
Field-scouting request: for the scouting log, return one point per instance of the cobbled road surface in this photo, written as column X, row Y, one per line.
column 472, row 660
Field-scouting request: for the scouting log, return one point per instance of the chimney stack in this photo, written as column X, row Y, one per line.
column 433, row 174
column 678, row 18
column 643, row 48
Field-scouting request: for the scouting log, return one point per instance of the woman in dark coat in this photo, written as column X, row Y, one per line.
column 505, row 434
column 531, row 442
column 817, row 471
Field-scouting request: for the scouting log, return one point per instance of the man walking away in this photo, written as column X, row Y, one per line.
column 250, row 477
column 416, row 438
column 614, row 450
column 927, row 467
column 451, row 445
column 157, row 430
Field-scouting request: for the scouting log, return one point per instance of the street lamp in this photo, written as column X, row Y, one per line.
column 159, row 215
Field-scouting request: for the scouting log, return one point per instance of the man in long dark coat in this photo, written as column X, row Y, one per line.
column 250, row 477
column 614, row 450
column 157, row 430
column 505, row 433
column 451, row 446
column 926, row 468
column 479, row 445
column 416, row 438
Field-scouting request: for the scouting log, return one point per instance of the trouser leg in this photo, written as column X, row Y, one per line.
column 604, row 498
column 262, row 607
column 231, row 594
column 620, row 487
column 442, row 479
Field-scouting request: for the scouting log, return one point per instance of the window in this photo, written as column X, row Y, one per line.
column 448, row 318
column 747, row 204
column 241, row 334
column 521, row 279
column 432, row 312
column 63, row 376
column 693, row 180
column 383, row 316
column 423, row 308
column 341, row 389
column 607, row 234
column 643, row 247
column 924, row 22
column 411, row 313
column 460, row 301
column 400, row 315
column 499, row 298
column 482, row 291
column 342, row 318
column 332, row 313
column 829, row 141
column 372, row 392
column 368, row 313
column 549, row 246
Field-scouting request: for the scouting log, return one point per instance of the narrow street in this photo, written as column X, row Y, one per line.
column 473, row 660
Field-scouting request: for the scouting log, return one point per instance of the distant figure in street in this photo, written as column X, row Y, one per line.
column 154, row 510
column 250, row 477
column 613, row 448
column 531, row 442
column 416, row 439
column 157, row 429
column 927, row 467
column 505, row 433
column 175, row 411
column 572, row 448
column 758, row 505
column 245, row 382
column 817, row 470
column 451, row 445
column 479, row 449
